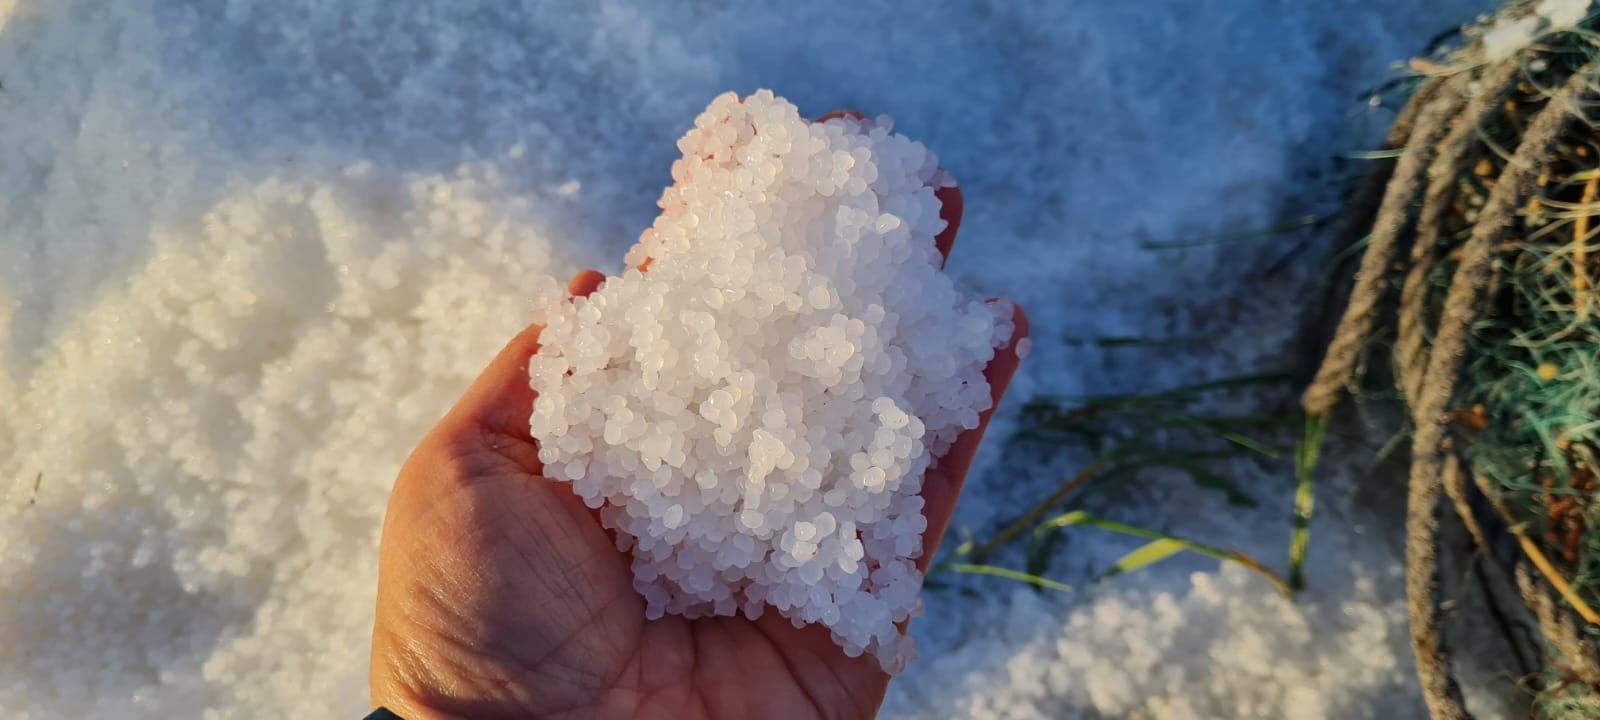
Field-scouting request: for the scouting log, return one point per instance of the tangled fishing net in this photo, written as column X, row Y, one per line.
column 1479, row 278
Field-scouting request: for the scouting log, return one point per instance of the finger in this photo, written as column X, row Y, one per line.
column 942, row 486
column 585, row 282
column 501, row 399
column 950, row 207
column 950, row 201
column 842, row 113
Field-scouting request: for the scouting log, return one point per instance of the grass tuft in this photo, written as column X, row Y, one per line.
column 1165, row 545
column 1131, row 434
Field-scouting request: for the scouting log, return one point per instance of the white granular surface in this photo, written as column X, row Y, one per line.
column 199, row 484
column 755, row 414
column 256, row 464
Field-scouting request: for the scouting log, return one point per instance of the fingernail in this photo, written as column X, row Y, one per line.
column 843, row 112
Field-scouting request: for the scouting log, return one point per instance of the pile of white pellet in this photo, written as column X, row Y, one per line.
column 754, row 414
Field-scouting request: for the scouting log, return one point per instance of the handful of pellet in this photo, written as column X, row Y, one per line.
column 753, row 415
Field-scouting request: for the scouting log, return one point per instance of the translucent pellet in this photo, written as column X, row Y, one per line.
column 776, row 385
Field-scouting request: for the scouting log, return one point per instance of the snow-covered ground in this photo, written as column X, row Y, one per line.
column 249, row 250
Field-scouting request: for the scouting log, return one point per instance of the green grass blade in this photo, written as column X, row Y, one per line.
column 1373, row 154
column 1252, row 422
column 1038, row 512
column 1118, row 341
column 1305, row 470
column 1176, row 393
column 1228, row 428
column 1251, row 444
column 1149, row 553
column 1212, row 481
column 1079, row 517
column 1258, row 234
column 1136, row 456
column 1041, row 551
column 1009, row 574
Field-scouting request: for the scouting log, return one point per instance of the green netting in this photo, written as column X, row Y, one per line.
column 1479, row 280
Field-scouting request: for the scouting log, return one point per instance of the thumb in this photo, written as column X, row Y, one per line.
column 501, row 399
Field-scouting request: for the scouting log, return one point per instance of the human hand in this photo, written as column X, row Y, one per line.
column 500, row 594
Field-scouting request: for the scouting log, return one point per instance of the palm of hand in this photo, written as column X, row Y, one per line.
column 503, row 597
column 500, row 594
